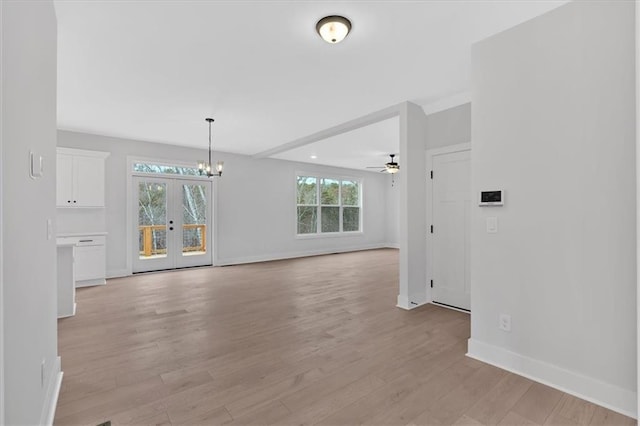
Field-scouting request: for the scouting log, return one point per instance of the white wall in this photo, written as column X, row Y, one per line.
column 29, row 267
column 449, row 127
column 392, row 197
column 553, row 125
column 256, row 204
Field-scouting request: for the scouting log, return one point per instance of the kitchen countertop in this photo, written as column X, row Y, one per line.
column 80, row 234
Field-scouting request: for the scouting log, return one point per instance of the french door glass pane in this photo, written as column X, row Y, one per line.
column 351, row 219
column 330, row 219
column 307, row 220
column 152, row 220
column 194, row 219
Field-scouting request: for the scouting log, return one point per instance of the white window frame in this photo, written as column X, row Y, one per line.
column 131, row 160
column 319, row 205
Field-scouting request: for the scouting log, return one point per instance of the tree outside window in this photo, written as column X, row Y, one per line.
column 327, row 205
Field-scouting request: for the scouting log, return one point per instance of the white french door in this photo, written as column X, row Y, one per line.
column 451, row 204
column 172, row 223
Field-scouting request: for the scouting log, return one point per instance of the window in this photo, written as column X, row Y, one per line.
column 165, row 169
column 327, row 205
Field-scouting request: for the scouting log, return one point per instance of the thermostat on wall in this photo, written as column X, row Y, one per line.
column 491, row 198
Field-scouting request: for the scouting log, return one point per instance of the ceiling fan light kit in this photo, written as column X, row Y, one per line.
column 333, row 29
column 391, row 167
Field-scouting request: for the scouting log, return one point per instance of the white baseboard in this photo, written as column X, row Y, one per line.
column 393, row 245
column 406, row 304
column 281, row 256
column 90, row 283
column 118, row 273
column 51, row 396
column 607, row 395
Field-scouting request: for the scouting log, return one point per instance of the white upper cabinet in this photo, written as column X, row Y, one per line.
column 80, row 178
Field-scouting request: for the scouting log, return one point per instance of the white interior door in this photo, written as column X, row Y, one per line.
column 172, row 223
column 451, row 204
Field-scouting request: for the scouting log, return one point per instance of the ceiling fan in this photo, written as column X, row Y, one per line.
column 390, row 167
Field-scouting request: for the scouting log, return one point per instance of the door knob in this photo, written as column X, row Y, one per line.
column 171, row 228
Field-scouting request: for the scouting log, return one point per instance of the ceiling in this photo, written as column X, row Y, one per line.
column 153, row 70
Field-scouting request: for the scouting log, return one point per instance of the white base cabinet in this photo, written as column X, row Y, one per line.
column 90, row 258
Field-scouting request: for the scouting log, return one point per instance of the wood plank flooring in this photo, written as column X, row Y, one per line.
column 303, row 341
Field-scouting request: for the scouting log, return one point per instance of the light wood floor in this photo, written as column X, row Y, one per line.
column 304, row 341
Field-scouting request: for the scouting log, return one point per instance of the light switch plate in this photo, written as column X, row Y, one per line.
column 492, row 225
column 36, row 165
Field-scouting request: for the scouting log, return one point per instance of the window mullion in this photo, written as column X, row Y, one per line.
column 318, row 206
column 340, row 228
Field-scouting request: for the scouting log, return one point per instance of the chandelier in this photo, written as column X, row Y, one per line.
column 205, row 167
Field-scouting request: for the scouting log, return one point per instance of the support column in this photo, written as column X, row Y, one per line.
column 413, row 226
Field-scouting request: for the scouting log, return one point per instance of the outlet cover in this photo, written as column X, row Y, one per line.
column 505, row 322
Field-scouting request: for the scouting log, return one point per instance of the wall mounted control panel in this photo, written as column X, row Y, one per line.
column 491, row 198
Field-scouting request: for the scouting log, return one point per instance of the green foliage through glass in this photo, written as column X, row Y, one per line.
column 330, row 192
column 335, row 202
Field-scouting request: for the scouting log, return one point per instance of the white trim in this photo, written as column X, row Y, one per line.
column 357, row 123
column 430, row 153
column 293, row 255
column 604, row 394
column 131, row 159
column 329, row 234
column 117, row 273
column 403, row 302
column 214, row 223
column 91, row 283
column 447, row 103
column 392, row 245
column 2, row 310
column 637, row 5
column 82, row 152
column 406, row 304
column 129, row 213
column 51, row 396
column 319, row 205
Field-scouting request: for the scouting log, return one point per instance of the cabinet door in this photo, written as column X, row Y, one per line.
column 64, row 181
column 89, row 181
column 90, row 262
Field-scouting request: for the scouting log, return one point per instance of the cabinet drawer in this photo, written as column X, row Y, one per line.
column 90, row 241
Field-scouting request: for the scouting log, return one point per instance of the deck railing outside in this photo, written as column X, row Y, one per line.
column 148, row 248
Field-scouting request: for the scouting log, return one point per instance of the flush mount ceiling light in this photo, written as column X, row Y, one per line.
column 333, row 29
column 204, row 167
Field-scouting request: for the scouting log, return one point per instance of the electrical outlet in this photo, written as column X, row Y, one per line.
column 505, row 322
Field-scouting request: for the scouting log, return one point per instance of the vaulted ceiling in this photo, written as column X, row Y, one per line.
column 153, row 70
